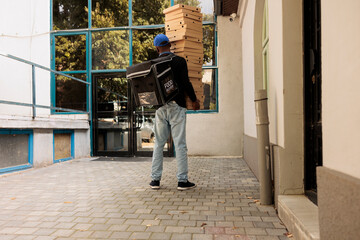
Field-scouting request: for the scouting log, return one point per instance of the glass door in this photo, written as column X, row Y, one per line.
column 119, row 128
column 111, row 116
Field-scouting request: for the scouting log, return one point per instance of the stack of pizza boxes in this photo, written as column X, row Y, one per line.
column 183, row 26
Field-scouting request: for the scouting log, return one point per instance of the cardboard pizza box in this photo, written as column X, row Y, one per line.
column 184, row 11
column 195, row 74
column 194, row 65
column 182, row 21
column 186, row 32
column 185, row 53
column 187, row 50
column 186, row 44
column 184, row 37
column 182, row 15
column 181, row 6
column 197, row 56
column 199, row 93
column 195, row 68
column 188, row 55
column 198, row 87
column 191, row 59
column 199, row 90
column 175, row 26
column 196, row 82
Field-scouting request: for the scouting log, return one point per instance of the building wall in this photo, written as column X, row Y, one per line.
column 25, row 33
column 221, row 134
column 285, row 90
column 291, row 166
column 340, row 68
column 250, row 28
column 276, row 73
column 339, row 178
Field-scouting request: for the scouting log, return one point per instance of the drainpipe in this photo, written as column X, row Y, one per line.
column 262, row 128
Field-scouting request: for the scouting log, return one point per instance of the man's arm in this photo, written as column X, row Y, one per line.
column 189, row 90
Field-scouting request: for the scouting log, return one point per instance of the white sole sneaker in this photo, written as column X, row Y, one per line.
column 185, row 188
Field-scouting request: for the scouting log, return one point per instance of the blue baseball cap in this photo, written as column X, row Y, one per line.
column 161, row 40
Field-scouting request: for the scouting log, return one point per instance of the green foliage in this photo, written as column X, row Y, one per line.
column 147, row 12
column 209, row 44
column 110, row 49
column 70, row 52
column 109, row 13
column 69, row 14
column 115, row 84
column 194, row 3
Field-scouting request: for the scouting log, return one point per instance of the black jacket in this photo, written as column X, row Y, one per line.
column 180, row 71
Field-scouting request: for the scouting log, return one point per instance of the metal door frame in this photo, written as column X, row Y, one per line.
column 312, row 95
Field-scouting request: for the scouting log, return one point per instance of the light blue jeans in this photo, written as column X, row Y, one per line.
column 170, row 117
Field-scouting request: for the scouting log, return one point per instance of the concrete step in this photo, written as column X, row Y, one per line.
column 300, row 216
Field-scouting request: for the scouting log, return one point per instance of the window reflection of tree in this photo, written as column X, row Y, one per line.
column 71, row 94
column 69, row 14
column 70, row 53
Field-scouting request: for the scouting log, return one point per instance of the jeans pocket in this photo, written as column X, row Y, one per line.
column 178, row 115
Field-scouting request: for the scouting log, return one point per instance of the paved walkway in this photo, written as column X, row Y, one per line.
column 87, row 199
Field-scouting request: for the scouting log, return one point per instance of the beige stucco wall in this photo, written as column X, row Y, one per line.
column 292, row 163
column 285, row 90
column 221, row 134
column 275, row 73
column 249, row 69
column 341, row 85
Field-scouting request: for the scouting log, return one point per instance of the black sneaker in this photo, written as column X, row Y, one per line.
column 154, row 184
column 185, row 185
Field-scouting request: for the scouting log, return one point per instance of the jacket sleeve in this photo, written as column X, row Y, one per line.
column 188, row 88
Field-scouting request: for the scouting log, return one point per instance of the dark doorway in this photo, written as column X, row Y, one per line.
column 312, row 88
column 119, row 128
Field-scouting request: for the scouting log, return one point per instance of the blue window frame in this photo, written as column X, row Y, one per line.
column 108, row 23
column 29, row 163
column 72, row 145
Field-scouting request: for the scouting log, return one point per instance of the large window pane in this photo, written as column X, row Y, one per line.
column 70, row 14
column 70, row 93
column 110, row 49
column 209, row 81
column 149, row 12
column 70, row 53
column 207, row 7
column 143, row 45
column 105, row 13
column 209, row 44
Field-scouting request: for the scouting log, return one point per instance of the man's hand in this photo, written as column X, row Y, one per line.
column 196, row 105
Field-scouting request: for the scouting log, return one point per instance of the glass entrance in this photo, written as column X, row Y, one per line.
column 120, row 129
